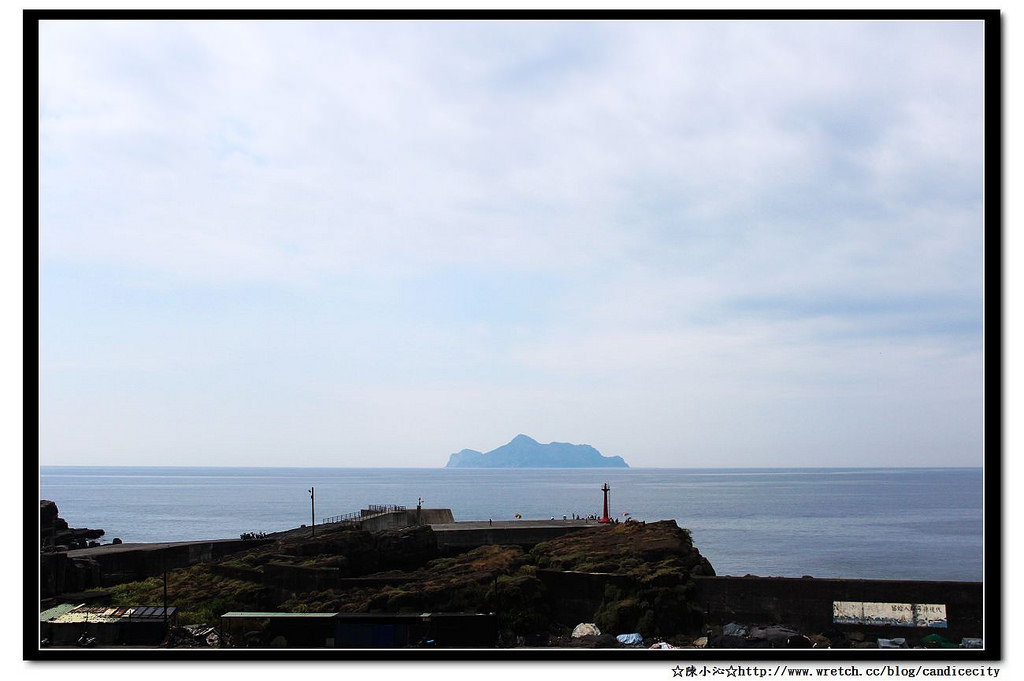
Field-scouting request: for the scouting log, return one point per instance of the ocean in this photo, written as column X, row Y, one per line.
column 855, row 523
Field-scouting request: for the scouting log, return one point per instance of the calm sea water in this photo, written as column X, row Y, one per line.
column 902, row 523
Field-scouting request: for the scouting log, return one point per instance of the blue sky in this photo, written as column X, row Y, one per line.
column 374, row 244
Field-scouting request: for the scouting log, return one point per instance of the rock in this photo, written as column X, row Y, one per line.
column 537, row 640
column 734, row 629
column 48, row 514
column 799, row 641
column 703, row 568
column 820, row 641
column 591, row 641
column 775, row 634
column 836, row 638
column 54, row 530
column 407, row 548
column 701, row 642
column 726, row 641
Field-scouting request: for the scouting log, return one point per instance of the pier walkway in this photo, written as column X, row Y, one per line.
column 527, row 533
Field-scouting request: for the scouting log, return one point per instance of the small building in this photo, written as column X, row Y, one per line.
column 66, row 624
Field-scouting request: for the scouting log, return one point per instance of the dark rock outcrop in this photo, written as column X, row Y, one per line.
column 632, row 577
column 55, row 534
column 407, row 548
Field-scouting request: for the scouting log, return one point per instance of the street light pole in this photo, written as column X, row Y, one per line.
column 312, row 510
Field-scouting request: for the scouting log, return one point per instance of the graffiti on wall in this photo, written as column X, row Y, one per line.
column 889, row 614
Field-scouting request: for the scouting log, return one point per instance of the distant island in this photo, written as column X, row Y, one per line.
column 525, row 452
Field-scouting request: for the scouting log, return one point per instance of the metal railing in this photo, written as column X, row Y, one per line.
column 374, row 511
column 377, row 510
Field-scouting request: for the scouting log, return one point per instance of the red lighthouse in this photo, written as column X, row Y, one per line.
column 604, row 518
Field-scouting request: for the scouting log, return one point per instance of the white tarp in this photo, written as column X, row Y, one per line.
column 585, row 629
column 630, row 639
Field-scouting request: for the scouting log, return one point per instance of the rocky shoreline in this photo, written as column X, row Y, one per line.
column 57, row 535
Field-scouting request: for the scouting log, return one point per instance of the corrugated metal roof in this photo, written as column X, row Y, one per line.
column 151, row 612
column 57, row 611
column 99, row 614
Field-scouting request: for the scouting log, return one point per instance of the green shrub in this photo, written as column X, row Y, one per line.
column 520, row 601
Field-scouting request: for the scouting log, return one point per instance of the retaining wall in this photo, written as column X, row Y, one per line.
column 407, row 518
column 576, row 596
column 807, row 602
column 118, row 563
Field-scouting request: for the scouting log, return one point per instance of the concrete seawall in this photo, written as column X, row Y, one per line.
column 126, row 562
column 454, row 537
column 807, row 602
column 110, row 564
column 407, row 518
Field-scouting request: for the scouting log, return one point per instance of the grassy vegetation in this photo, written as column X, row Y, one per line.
column 199, row 595
column 655, row 558
column 654, row 598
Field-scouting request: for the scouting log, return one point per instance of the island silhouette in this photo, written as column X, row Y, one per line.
column 525, row 452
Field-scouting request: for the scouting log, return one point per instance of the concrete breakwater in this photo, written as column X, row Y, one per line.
column 103, row 566
column 454, row 537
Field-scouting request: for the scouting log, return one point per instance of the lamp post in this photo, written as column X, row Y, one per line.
column 312, row 510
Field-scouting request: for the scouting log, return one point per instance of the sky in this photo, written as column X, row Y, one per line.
column 689, row 244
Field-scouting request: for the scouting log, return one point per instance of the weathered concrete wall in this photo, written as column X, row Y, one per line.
column 807, row 602
column 407, row 518
column 804, row 603
column 435, row 516
column 297, row 579
column 576, row 596
column 118, row 563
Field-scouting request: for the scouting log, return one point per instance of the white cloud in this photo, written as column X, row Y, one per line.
column 724, row 211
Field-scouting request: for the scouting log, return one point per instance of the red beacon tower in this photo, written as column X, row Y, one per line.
column 604, row 518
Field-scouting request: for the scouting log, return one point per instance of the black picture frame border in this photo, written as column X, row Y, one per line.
column 993, row 345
